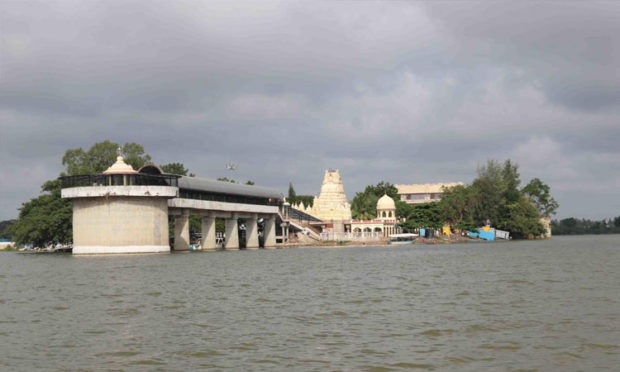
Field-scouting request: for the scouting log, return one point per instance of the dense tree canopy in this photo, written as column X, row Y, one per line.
column 457, row 207
column 494, row 197
column 540, row 195
column 100, row 156
column 45, row 219
column 575, row 226
column 5, row 229
column 175, row 168
column 423, row 215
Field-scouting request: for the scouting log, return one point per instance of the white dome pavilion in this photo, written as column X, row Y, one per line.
column 386, row 208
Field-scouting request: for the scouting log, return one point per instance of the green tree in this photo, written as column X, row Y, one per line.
column 101, row 156
column 250, row 183
column 134, row 155
column 486, row 201
column 403, row 209
column 308, row 200
column 45, row 219
column 491, row 191
column 454, row 204
column 522, row 219
column 540, row 194
column 497, row 186
column 292, row 196
column 511, row 182
column 494, row 197
column 5, row 229
column 457, row 207
column 578, row 226
column 427, row 215
column 195, row 225
column 175, row 168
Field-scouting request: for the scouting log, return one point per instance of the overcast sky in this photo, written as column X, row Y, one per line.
column 398, row 91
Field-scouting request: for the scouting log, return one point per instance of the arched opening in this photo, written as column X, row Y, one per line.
column 357, row 230
column 367, row 229
column 150, row 168
column 378, row 229
column 390, row 214
column 383, row 214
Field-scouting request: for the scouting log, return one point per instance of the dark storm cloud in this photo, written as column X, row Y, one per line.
column 404, row 92
column 571, row 49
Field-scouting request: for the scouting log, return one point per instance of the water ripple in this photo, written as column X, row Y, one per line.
column 518, row 306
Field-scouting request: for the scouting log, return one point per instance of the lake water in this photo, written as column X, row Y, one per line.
column 531, row 305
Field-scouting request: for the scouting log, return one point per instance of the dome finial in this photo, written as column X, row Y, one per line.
column 120, row 167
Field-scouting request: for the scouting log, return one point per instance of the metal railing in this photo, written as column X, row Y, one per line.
column 296, row 214
column 227, row 198
column 139, row 179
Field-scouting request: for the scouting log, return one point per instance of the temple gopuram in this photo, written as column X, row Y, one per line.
column 333, row 212
column 331, row 204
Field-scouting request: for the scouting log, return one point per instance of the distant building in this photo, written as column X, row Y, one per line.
column 423, row 193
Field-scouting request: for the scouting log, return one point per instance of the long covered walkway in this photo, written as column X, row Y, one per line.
column 231, row 202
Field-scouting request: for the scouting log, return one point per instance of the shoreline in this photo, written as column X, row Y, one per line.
column 423, row 241
column 325, row 244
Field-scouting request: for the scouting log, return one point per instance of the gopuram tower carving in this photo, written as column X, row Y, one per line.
column 331, row 204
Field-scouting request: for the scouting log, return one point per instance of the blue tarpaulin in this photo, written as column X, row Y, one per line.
column 486, row 235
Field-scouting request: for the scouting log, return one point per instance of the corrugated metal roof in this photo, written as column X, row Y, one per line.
column 221, row 187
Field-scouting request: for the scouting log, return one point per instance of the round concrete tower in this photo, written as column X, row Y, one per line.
column 120, row 210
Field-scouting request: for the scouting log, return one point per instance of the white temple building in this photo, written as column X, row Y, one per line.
column 331, row 204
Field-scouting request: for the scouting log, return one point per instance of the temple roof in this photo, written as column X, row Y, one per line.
column 120, row 167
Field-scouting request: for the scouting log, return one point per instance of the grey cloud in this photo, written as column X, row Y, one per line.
column 571, row 49
column 397, row 91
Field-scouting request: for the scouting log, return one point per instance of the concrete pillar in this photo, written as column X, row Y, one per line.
column 181, row 232
column 232, row 234
column 270, row 231
column 286, row 233
column 251, row 232
column 284, row 227
column 208, row 233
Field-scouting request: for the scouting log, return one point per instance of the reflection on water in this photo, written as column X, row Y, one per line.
column 543, row 305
